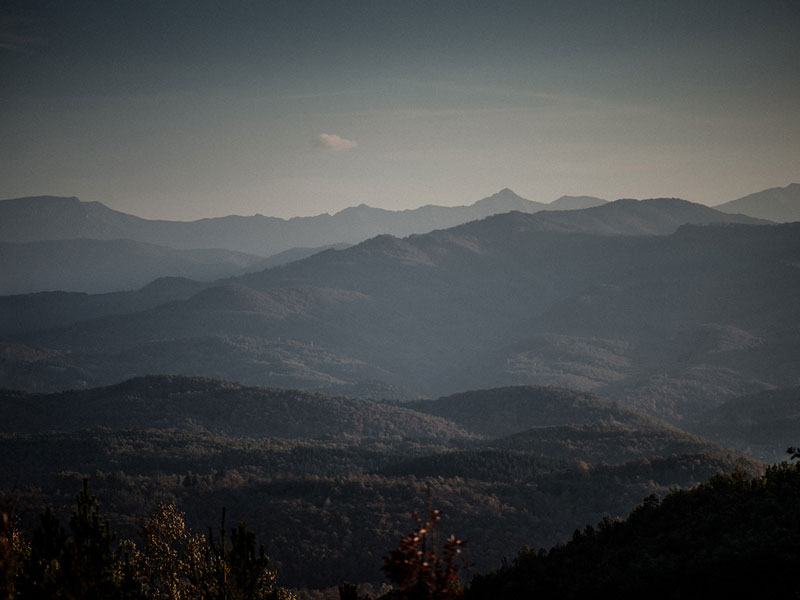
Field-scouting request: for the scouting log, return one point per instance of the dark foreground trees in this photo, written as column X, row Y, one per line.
column 172, row 563
column 732, row 537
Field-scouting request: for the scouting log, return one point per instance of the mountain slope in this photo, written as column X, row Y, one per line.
column 781, row 205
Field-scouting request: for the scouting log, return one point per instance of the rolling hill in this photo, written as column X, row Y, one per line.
column 502, row 412
column 528, row 423
column 200, row 404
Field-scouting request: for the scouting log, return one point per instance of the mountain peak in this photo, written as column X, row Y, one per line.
column 507, row 200
column 505, row 194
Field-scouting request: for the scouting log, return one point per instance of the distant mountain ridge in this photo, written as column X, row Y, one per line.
column 653, row 216
column 625, row 217
column 49, row 243
column 779, row 204
column 43, row 218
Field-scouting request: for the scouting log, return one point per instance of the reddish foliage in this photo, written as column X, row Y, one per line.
column 423, row 569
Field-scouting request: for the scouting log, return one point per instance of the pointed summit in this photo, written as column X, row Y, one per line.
column 506, row 200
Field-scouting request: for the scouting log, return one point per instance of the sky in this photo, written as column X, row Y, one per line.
column 187, row 109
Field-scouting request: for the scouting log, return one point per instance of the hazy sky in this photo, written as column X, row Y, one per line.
column 173, row 109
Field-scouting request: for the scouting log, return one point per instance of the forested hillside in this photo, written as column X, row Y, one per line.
column 732, row 537
column 328, row 483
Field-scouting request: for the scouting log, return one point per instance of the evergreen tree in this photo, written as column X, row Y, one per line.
column 90, row 560
column 43, row 575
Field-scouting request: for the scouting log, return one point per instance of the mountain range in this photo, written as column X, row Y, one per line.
column 588, row 299
column 50, row 243
column 44, row 218
column 625, row 217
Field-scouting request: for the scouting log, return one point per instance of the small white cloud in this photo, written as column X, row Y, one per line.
column 328, row 141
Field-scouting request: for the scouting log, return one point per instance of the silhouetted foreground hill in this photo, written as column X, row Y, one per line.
column 781, row 205
column 664, row 323
column 733, row 537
